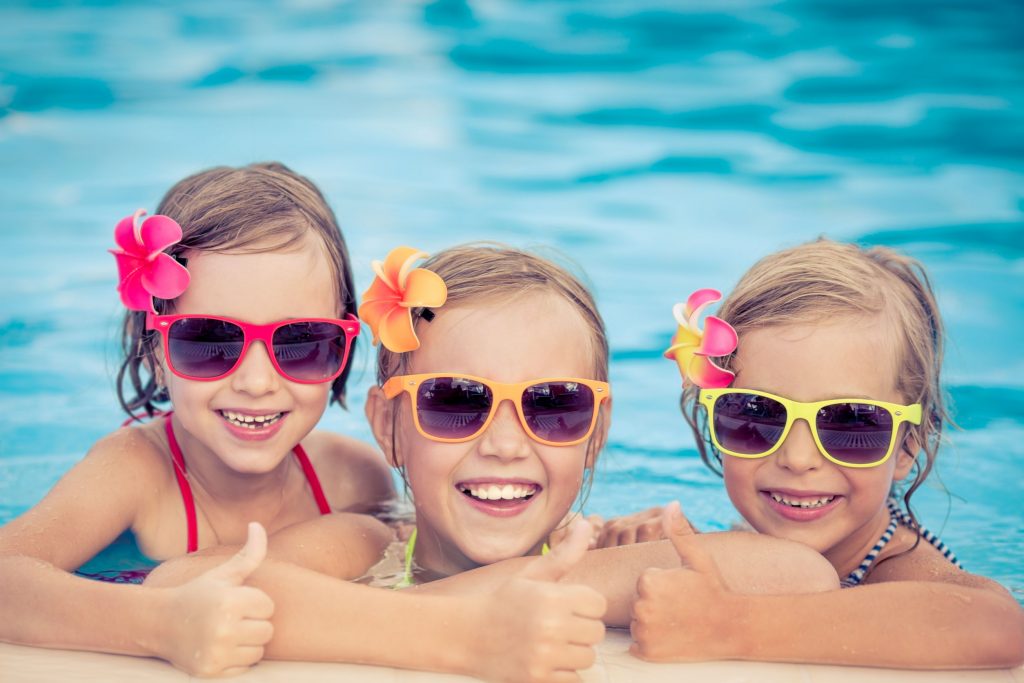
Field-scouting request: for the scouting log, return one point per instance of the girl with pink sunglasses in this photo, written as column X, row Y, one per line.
column 828, row 419
column 239, row 331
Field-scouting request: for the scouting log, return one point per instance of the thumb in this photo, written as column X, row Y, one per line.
column 563, row 557
column 686, row 543
column 243, row 563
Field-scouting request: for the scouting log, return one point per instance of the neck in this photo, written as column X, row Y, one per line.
column 436, row 558
column 259, row 496
column 847, row 555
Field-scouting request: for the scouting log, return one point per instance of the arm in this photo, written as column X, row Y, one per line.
column 954, row 620
column 45, row 605
column 751, row 564
column 319, row 618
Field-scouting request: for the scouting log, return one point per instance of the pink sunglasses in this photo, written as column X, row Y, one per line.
column 207, row 347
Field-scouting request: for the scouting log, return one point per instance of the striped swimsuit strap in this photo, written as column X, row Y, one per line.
column 897, row 517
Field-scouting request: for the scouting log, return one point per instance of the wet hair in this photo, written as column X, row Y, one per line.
column 258, row 208
column 482, row 271
column 825, row 280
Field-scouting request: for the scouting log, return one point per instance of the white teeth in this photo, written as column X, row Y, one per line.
column 804, row 504
column 496, row 492
column 250, row 421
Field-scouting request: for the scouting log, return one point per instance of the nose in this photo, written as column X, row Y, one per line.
column 799, row 452
column 256, row 374
column 505, row 438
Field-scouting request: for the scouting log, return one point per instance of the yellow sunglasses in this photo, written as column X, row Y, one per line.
column 852, row 432
column 454, row 408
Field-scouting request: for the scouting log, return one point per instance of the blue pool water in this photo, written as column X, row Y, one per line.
column 664, row 146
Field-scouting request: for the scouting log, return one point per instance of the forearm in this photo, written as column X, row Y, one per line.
column 47, row 607
column 321, row 618
column 899, row 624
column 749, row 564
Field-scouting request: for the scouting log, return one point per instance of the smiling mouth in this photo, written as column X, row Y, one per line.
column 804, row 504
column 499, row 492
column 251, row 422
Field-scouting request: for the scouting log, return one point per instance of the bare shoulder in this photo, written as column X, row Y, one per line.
column 97, row 499
column 353, row 473
column 343, row 544
column 922, row 562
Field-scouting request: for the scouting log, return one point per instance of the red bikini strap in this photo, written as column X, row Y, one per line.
column 314, row 481
column 186, row 490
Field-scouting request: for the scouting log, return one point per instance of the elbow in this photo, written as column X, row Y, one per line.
column 999, row 638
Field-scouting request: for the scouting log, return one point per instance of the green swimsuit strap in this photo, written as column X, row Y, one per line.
column 410, row 549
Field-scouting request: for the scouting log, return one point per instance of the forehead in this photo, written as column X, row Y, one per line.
column 531, row 336
column 852, row 357
column 261, row 287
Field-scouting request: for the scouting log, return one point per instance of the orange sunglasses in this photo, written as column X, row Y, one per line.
column 455, row 408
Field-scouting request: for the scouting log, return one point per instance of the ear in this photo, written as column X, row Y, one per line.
column 906, row 455
column 600, row 435
column 379, row 415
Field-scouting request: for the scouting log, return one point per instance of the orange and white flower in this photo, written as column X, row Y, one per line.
column 398, row 288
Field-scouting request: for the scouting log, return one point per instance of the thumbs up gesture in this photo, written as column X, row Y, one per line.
column 218, row 625
column 534, row 628
column 682, row 614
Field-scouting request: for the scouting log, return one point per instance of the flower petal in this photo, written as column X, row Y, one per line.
column 407, row 267
column 164, row 277
column 699, row 299
column 159, row 232
column 707, row 375
column 684, row 338
column 424, row 288
column 395, row 261
column 124, row 236
column 126, row 263
column 396, row 332
column 133, row 294
column 719, row 338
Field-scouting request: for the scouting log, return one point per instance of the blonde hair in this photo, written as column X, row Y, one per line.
column 257, row 208
column 823, row 280
column 481, row 271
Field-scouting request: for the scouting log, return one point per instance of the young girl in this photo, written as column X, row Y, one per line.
column 835, row 406
column 244, row 325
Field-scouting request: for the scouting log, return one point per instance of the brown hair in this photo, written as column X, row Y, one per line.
column 822, row 280
column 251, row 209
column 481, row 271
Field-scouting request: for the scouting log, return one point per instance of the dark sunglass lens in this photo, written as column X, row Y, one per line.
column 748, row 424
column 559, row 411
column 452, row 407
column 310, row 351
column 855, row 433
column 204, row 347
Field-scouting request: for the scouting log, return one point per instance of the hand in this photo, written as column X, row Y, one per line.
column 561, row 532
column 638, row 527
column 216, row 625
column 533, row 628
column 683, row 614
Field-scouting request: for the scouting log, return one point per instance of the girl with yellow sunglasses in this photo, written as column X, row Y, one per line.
column 828, row 421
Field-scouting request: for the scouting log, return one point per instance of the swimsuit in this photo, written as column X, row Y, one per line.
column 410, row 549
column 123, row 562
column 896, row 517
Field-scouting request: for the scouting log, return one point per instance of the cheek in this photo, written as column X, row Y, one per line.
column 566, row 474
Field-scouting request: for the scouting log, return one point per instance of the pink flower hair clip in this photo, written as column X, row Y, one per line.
column 692, row 347
column 396, row 290
column 144, row 269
